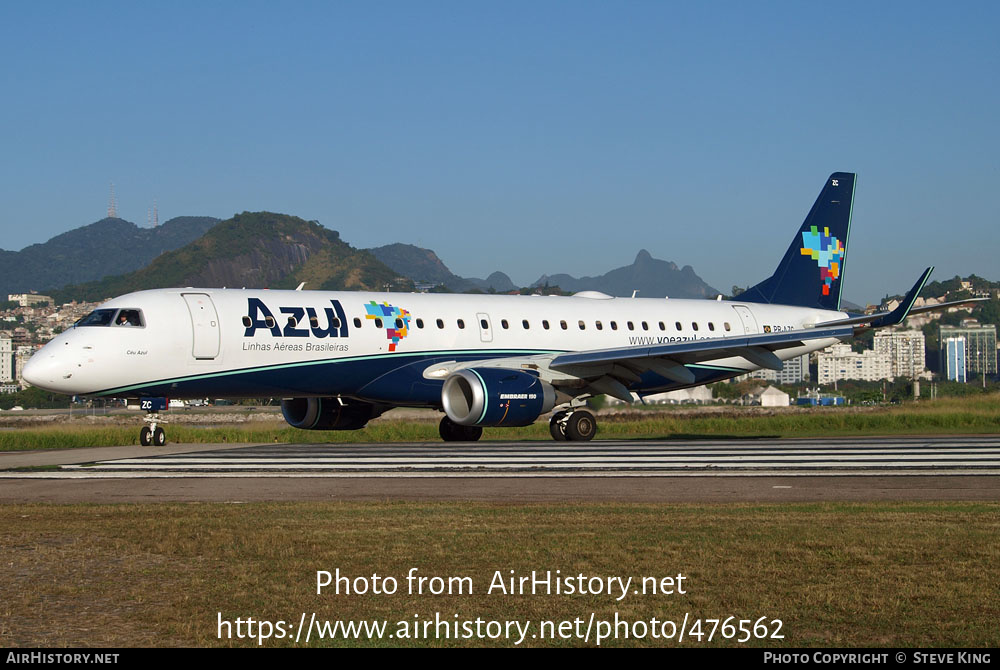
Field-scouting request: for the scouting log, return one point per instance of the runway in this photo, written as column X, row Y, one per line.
column 733, row 470
column 898, row 456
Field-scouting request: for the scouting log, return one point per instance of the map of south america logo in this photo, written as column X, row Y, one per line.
column 395, row 320
column 827, row 251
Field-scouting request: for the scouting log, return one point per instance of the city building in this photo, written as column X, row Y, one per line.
column 6, row 360
column 21, row 355
column 29, row 299
column 838, row 362
column 793, row 371
column 953, row 363
column 905, row 349
column 980, row 346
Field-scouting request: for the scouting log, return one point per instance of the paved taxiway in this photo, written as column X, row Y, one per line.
column 909, row 468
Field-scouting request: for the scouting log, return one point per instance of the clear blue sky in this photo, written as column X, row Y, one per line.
column 525, row 136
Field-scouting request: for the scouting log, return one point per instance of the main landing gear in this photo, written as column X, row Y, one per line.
column 455, row 432
column 574, row 425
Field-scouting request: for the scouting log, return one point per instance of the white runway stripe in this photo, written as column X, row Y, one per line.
column 951, row 455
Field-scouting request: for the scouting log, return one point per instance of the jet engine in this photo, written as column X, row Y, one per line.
column 328, row 413
column 495, row 397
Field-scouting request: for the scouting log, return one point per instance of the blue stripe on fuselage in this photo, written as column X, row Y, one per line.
column 393, row 379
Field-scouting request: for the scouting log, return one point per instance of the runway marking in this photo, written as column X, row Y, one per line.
column 730, row 458
column 483, row 475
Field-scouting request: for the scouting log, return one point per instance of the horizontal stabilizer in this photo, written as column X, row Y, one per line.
column 905, row 309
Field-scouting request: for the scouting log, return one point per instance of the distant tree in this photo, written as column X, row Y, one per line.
column 34, row 398
column 988, row 312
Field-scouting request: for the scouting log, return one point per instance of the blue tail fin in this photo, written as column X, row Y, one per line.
column 812, row 271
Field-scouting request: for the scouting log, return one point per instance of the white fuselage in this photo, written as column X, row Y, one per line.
column 252, row 343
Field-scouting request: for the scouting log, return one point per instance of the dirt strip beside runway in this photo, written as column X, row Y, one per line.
column 507, row 490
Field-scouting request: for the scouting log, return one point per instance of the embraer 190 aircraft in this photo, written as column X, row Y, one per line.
column 340, row 359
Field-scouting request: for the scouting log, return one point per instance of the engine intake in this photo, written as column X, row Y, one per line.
column 328, row 413
column 495, row 397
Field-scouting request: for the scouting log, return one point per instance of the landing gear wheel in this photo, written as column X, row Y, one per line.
column 146, row 436
column 453, row 432
column 159, row 437
column 581, row 426
column 557, row 427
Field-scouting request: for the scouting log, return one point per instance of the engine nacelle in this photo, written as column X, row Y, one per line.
column 495, row 397
column 328, row 413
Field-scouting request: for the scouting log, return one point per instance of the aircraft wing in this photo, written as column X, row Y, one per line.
column 609, row 370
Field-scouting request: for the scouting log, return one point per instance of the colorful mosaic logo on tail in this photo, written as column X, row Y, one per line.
column 396, row 321
column 827, row 251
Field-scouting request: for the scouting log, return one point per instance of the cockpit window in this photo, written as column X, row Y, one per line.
column 129, row 317
column 113, row 317
column 99, row 317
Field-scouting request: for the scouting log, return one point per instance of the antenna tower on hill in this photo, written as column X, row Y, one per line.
column 112, row 205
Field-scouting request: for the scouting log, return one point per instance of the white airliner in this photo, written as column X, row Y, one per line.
column 340, row 359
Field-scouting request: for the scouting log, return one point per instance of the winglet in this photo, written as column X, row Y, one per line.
column 902, row 311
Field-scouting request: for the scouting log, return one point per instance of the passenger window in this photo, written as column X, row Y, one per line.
column 694, row 325
column 614, row 325
column 583, row 326
column 440, row 323
column 525, row 324
column 545, row 324
column 726, row 324
column 292, row 322
column 483, row 324
column 711, row 326
column 399, row 324
column 314, row 322
column 461, row 323
column 247, row 321
column 378, row 322
column 599, row 326
column 645, row 326
column 679, row 327
column 269, row 320
column 662, row 327
column 420, row 323
column 357, row 322
column 504, row 324
column 631, row 326
column 562, row 324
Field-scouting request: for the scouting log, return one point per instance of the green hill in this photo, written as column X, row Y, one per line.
column 106, row 247
column 253, row 249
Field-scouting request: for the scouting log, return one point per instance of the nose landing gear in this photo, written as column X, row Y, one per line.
column 152, row 434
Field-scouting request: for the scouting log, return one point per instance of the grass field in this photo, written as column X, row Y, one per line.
column 834, row 574
column 980, row 414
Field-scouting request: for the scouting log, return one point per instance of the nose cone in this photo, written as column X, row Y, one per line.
column 46, row 372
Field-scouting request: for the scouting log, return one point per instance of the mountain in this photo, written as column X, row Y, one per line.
column 106, row 247
column 424, row 267
column 653, row 278
column 254, row 249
